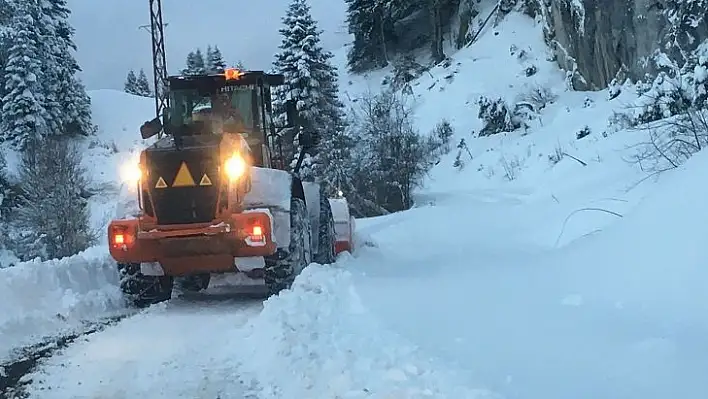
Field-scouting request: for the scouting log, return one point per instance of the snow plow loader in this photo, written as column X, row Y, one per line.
column 214, row 195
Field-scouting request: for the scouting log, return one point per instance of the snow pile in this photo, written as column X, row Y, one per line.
column 40, row 299
column 655, row 258
column 318, row 341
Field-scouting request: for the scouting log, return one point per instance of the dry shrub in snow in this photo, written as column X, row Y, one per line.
column 496, row 116
column 392, row 158
column 539, row 97
column 672, row 141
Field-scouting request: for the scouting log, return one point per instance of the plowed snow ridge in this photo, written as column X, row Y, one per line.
column 318, row 341
column 40, row 299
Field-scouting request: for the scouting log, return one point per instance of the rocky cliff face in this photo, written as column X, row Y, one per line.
column 599, row 40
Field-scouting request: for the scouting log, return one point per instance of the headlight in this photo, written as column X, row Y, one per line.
column 130, row 172
column 235, row 167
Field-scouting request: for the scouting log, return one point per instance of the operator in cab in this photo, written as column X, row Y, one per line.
column 220, row 116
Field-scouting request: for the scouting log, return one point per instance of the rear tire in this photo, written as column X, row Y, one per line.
column 326, row 253
column 282, row 267
column 141, row 290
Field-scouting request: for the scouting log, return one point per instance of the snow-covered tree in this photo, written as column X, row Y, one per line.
column 52, row 215
column 311, row 81
column 195, row 63
column 142, row 85
column 131, row 83
column 66, row 99
column 24, row 115
column 215, row 61
column 365, row 19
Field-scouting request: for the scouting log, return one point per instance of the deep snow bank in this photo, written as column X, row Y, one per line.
column 39, row 299
column 318, row 341
column 616, row 314
column 655, row 257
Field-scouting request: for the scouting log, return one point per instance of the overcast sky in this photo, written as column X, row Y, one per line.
column 110, row 42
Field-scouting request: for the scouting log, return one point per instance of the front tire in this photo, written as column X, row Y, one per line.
column 141, row 290
column 282, row 267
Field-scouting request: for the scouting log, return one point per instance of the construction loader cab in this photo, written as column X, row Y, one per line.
column 234, row 102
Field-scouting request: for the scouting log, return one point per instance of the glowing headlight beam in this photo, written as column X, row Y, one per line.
column 130, row 172
column 235, row 167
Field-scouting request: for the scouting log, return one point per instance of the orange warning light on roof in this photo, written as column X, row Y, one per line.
column 232, row 73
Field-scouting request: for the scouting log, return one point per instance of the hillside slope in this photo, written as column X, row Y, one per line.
column 521, row 274
column 538, row 274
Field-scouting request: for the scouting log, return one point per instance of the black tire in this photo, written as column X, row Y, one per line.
column 326, row 253
column 141, row 290
column 194, row 283
column 282, row 267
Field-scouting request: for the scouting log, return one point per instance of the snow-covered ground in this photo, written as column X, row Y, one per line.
column 518, row 276
column 619, row 314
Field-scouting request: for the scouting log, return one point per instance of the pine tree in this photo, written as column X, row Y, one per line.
column 142, row 85
column 311, row 81
column 23, row 111
column 131, row 83
column 215, row 61
column 195, row 64
column 78, row 110
column 366, row 19
column 65, row 96
column 7, row 10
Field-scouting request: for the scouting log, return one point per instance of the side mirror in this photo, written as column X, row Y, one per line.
column 291, row 111
column 150, row 128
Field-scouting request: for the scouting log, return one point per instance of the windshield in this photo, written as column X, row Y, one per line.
column 227, row 111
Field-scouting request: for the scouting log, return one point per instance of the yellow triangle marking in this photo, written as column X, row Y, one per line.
column 161, row 183
column 183, row 178
column 206, row 181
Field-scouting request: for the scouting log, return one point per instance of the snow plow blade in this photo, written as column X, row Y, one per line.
column 344, row 225
column 190, row 249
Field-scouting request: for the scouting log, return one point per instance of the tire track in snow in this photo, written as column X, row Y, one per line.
column 170, row 350
column 13, row 375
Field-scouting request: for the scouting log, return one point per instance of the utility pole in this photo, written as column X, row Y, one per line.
column 159, row 63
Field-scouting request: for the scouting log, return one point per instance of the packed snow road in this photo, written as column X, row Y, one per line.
column 313, row 341
column 177, row 349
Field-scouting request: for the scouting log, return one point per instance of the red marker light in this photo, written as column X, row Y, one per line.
column 257, row 235
column 257, row 231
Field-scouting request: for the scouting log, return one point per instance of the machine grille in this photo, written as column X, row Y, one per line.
column 184, row 185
